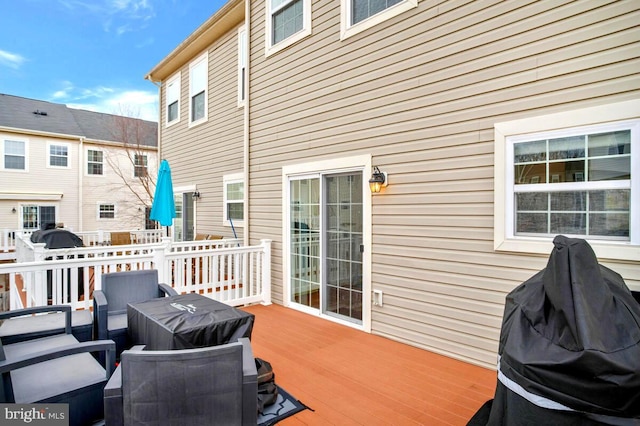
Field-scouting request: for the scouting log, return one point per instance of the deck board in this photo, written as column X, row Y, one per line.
column 349, row 377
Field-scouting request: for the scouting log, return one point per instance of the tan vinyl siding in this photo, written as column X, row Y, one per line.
column 201, row 155
column 421, row 93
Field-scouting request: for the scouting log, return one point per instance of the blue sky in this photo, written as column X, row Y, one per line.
column 93, row 54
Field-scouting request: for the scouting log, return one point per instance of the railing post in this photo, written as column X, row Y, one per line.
column 38, row 251
column 266, row 271
column 160, row 260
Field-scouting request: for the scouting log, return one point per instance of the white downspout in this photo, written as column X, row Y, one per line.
column 247, row 26
column 81, row 157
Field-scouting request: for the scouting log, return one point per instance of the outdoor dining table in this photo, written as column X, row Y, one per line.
column 186, row 321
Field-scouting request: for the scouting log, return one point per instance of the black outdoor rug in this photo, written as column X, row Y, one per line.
column 285, row 406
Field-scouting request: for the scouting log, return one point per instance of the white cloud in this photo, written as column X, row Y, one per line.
column 131, row 103
column 11, row 60
column 123, row 15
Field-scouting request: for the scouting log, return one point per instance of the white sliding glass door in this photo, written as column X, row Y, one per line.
column 326, row 244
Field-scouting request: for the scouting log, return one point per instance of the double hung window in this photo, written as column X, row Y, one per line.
column 234, row 199
column 95, row 162
column 58, row 155
column 140, row 165
column 15, row 155
column 106, row 211
column 576, row 183
column 575, row 173
column 242, row 65
column 359, row 15
column 198, row 77
column 288, row 21
column 172, row 94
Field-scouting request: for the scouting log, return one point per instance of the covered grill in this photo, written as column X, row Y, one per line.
column 569, row 351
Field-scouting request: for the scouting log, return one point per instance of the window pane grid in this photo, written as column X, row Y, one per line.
column 94, row 162
column 58, row 155
column 590, row 213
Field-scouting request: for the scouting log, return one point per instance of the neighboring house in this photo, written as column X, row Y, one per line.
column 499, row 125
column 83, row 169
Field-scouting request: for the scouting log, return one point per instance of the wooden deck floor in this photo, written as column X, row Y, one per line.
column 349, row 377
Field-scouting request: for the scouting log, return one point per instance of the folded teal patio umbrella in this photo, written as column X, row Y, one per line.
column 163, row 208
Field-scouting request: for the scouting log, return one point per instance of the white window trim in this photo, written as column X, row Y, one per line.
column 202, row 58
column 26, row 154
column 68, row 146
column 176, row 79
column 271, row 48
column 347, row 30
column 86, row 163
column 106, row 203
column 228, row 179
column 360, row 162
column 242, row 64
column 503, row 240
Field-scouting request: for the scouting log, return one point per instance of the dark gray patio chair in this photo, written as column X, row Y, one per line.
column 215, row 385
column 110, row 303
column 22, row 324
column 57, row 369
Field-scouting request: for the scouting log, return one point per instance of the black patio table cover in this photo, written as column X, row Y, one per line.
column 569, row 350
column 186, row 321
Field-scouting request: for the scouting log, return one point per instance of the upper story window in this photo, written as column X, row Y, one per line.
column 95, row 162
column 359, row 15
column 14, row 154
column 288, row 21
column 233, row 199
column 58, row 155
column 581, row 181
column 198, row 78
column 172, row 94
column 140, row 165
column 242, row 65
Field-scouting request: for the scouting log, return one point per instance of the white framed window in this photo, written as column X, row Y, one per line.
column 58, row 155
column 359, row 15
column 288, row 21
column 35, row 216
column 95, row 162
column 233, row 199
column 106, row 211
column 574, row 173
column 242, row 65
column 140, row 165
column 14, row 154
column 172, row 95
column 198, row 79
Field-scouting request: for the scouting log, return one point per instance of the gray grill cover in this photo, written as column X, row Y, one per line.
column 571, row 334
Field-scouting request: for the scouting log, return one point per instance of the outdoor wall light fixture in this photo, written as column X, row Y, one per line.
column 378, row 180
column 196, row 195
column 13, row 210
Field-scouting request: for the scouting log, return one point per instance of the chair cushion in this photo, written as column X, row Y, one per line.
column 50, row 378
column 117, row 322
column 35, row 326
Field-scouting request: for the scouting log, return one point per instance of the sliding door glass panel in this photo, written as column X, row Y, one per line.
column 305, row 241
column 343, row 246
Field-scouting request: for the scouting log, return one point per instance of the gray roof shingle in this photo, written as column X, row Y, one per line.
column 41, row 116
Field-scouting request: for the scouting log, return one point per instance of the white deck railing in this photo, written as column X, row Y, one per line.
column 218, row 269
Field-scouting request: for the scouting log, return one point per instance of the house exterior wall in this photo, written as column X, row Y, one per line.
column 117, row 186
column 40, row 184
column 421, row 94
column 201, row 155
column 74, row 194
